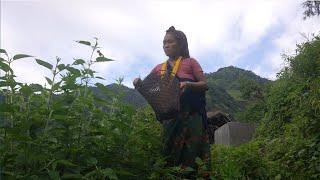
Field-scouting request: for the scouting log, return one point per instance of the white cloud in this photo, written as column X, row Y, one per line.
column 295, row 32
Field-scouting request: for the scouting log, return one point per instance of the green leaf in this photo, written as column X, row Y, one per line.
column 19, row 56
column 101, row 86
column 73, row 70
column 199, row 161
column 60, row 116
column 4, row 122
column 108, row 172
column 79, row 61
column 61, row 67
column 66, row 163
column 103, row 59
column 56, row 86
column 5, row 67
column 4, row 83
column 277, row 177
column 12, row 83
column 6, row 108
column 89, row 71
column 3, row 51
column 48, row 80
column 84, row 42
column 36, row 87
column 33, row 177
column 26, row 90
column 54, row 175
column 98, row 77
column 45, row 64
column 71, row 176
column 189, row 169
column 91, row 174
column 92, row 161
column 104, row 89
column 52, row 139
column 301, row 152
column 124, row 172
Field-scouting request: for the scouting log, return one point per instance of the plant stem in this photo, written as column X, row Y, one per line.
column 50, row 97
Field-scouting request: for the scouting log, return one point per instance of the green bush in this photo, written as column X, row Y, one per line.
column 244, row 162
column 287, row 144
column 64, row 131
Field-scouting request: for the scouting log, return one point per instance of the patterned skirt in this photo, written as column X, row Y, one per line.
column 185, row 139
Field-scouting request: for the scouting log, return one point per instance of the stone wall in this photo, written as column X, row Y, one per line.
column 234, row 133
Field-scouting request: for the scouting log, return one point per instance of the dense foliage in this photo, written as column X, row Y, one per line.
column 63, row 131
column 287, row 144
column 253, row 93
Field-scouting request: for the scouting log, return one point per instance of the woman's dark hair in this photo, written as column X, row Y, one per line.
column 182, row 41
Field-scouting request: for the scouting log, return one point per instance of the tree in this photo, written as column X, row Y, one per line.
column 250, row 89
column 312, row 8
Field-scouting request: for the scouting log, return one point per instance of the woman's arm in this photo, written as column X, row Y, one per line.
column 201, row 81
column 200, row 85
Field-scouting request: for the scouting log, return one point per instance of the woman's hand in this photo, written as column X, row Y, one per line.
column 137, row 82
column 184, row 85
column 194, row 86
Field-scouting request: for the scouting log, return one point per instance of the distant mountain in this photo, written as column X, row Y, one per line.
column 126, row 94
column 218, row 98
column 224, row 88
column 228, row 77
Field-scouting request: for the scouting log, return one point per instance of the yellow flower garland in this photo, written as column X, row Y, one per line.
column 175, row 67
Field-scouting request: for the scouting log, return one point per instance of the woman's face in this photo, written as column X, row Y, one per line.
column 170, row 45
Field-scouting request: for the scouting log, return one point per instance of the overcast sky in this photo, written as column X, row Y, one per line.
column 248, row 34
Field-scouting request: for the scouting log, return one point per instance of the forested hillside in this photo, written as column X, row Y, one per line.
column 226, row 86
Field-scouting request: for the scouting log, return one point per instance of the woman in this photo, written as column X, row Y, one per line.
column 185, row 137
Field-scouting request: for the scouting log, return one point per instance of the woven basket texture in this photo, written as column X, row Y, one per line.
column 162, row 93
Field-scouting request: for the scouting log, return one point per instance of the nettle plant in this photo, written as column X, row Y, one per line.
column 46, row 131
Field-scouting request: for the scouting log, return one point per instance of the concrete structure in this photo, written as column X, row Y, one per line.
column 234, row 133
column 216, row 119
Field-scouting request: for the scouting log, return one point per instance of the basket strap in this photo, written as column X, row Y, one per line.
column 174, row 70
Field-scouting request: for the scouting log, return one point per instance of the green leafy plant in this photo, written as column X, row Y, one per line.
column 64, row 131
